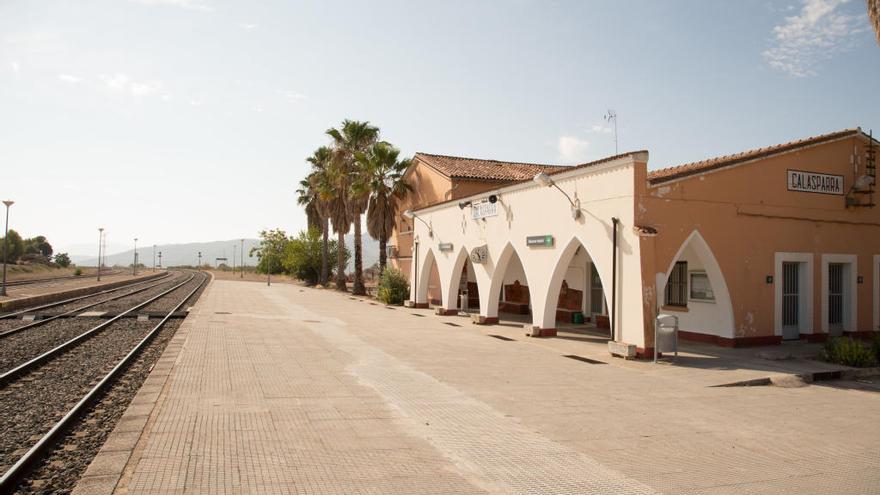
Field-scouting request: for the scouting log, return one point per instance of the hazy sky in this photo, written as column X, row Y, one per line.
column 189, row 120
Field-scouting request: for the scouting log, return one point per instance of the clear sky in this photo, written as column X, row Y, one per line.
column 189, row 120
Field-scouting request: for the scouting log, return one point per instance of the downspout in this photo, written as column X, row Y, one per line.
column 415, row 273
column 614, row 221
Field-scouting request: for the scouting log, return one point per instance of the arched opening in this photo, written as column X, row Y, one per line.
column 695, row 291
column 509, row 295
column 462, row 291
column 428, row 288
column 576, row 300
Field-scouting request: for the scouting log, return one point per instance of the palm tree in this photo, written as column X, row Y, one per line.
column 874, row 15
column 382, row 180
column 318, row 186
column 353, row 137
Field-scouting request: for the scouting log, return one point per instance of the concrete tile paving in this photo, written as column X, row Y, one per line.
column 306, row 391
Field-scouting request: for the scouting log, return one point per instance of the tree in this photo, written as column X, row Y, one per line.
column 38, row 245
column 874, row 15
column 382, row 180
column 62, row 260
column 303, row 255
column 315, row 193
column 352, row 138
column 269, row 252
column 15, row 247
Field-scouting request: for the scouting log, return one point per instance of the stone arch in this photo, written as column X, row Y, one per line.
column 424, row 277
column 497, row 281
column 723, row 308
column 450, row 281
column 560, row 268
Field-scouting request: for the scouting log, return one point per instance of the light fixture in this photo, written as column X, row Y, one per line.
column 464, row 204
column 543, row 179
column 411, row 215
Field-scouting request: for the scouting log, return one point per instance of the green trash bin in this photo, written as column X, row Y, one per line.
column 577, row 318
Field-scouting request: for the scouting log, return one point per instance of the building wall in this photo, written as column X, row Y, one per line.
column 606, row 191
column 746, row 216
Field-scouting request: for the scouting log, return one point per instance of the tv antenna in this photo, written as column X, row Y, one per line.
column 609, row 116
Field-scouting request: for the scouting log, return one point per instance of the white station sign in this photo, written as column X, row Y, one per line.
column 813, row 182
column 484, row 209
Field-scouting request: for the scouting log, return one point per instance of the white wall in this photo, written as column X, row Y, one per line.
column 606, row 190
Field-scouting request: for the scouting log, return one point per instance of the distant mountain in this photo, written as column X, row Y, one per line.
column 187, row 254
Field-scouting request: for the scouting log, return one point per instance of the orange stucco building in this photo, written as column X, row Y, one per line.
column 772, row 244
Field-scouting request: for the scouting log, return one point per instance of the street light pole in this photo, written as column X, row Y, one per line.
column 233, row 261
column 8, row 203
column 241, row 260
column 134, row 267
column 100, row 244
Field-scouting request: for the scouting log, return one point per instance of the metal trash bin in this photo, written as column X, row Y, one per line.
column 665, row 334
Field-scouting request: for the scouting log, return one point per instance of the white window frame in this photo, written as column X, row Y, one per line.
column 851, row 320
column 691, row 273
column 805, row 291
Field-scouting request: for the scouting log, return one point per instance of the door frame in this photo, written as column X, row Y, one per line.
column 805, row 291
column 851, row 297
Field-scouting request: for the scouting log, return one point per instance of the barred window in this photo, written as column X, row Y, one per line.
column 676, row 287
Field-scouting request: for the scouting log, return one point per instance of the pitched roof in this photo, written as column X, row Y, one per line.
column 677, row 172
column 456, row 167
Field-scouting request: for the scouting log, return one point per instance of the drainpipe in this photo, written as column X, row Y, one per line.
column 614, row 221
column 415, row 273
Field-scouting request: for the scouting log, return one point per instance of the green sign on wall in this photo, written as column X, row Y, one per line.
column 539, row 241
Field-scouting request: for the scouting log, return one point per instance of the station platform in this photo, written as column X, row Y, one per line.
column 286, row 389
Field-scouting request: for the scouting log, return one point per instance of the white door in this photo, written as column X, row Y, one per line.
column 791, row 329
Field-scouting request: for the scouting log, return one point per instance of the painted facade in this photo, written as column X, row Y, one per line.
column 748, row 249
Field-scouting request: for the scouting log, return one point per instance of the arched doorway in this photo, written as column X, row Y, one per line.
column 462, row 290
column 509, row 294
column 577, row 293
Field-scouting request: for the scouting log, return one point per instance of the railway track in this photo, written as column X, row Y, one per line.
column 33, row 309
column 33, row 281
column 41, row 398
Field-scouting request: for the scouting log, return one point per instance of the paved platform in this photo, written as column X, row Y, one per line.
column 285, row 389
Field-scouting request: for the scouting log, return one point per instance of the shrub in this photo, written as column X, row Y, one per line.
column 393, row 287
column 875, row 346
column 62, row 260
column 302, row 256
column 77, row 272
column 848, row 352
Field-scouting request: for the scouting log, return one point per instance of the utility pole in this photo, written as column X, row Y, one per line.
column 134, row 267
column 100, row 246
column 233, row 261
column 160, row 259
column 154, row 257
column 612, row 115
column 200, row 261
column 8, row 203
column 241, row 260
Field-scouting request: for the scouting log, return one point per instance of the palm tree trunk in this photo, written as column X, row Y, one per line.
column 383, row 246
column 359, row 288
column 340, row 262
column 325, row 252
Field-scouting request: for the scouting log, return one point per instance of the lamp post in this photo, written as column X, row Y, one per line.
column 233, row 260
column 134, row 267
column 8, row 203
column 100, row 244
column 241, row 261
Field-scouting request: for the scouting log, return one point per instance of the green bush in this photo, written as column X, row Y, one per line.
column 393, row 287
column 875, row 346
column 848, row 352
column 77, row 272
column 302, row 256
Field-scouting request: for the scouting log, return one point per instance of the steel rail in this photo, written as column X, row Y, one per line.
column 12, row 475
column 10, row 375
column 77, row 298
column 37, row 323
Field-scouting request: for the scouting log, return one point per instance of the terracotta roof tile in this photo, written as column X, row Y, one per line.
column 672, row 173
column 488, row 170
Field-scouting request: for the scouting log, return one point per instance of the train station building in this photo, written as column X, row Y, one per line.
column 772, row 244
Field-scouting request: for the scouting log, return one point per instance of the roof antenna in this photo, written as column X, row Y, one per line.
column 609, row 116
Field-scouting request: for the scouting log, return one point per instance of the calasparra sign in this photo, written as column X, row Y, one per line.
column 813, row 182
